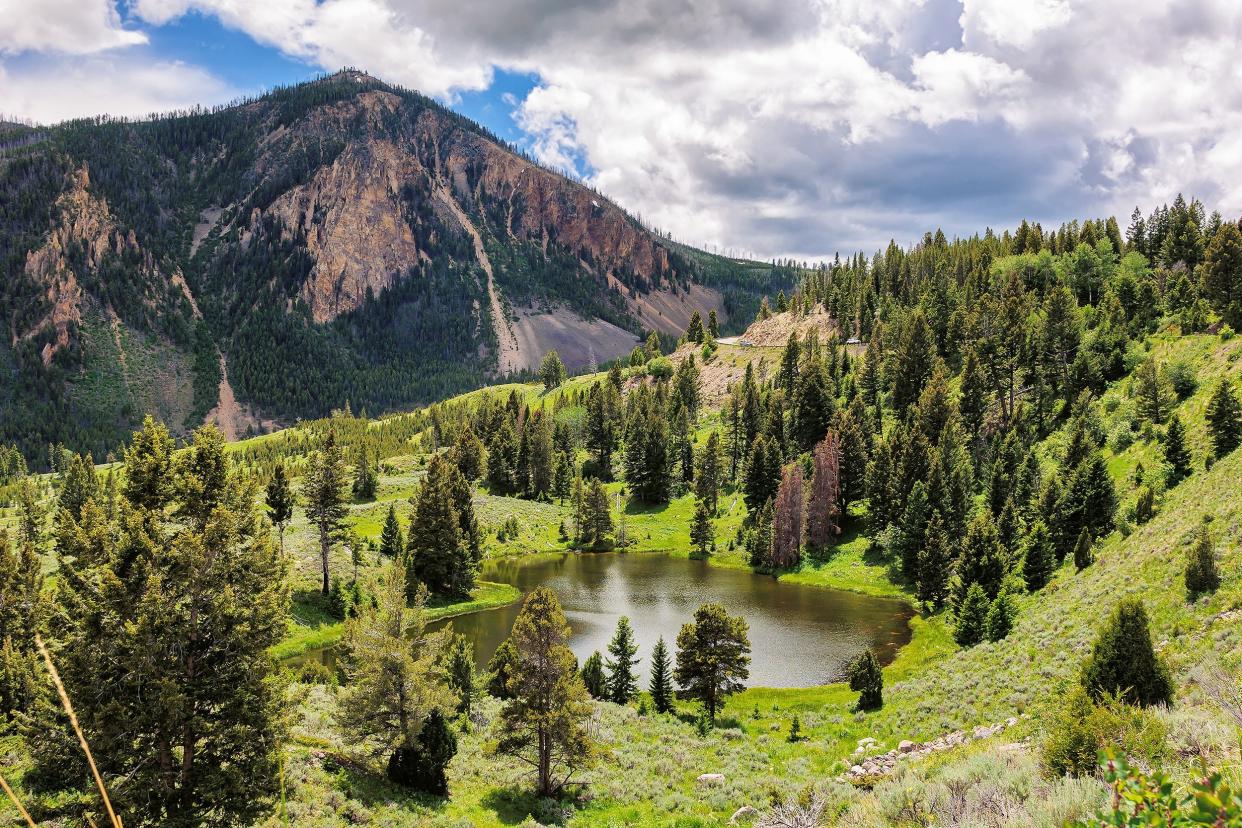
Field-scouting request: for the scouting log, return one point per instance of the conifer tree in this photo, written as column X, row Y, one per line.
column 594, row 678
column 823, row 508
column 623, row 655
column 366, row 480
column 438, row 550
column 460, row 673
column 912, row 361
column 552, row 371
column 867, row 680
column 1038, row 557
column 710, row 473
column 852, row 466
column 544, row 724
column 972, row 617
column 1083, row 554
column 500, row 669
column 1224, row 419
column 1176, row 453
column 1221, row 273
column 713, row 658
column 702, row 534
column 323, row 493
column 502, row 460
column 280, row 501
column 812, row 404
column 661, row 685
column 713, row 326
column 935, row 564
column 912, row 532
column 762, row 473
column 694, row 331
column 392, row 539
column 79, row 484
column 1123, row 660
column 1000, row 617
column 470, row 454
column 597, row 521
column 146, row 608
column 1151, row 392
column 759, row 542
column 1201, row 573
column 981, row 561
column 787, row 518
column 396, row 677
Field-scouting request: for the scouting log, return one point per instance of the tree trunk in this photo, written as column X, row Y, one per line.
column 324, row 547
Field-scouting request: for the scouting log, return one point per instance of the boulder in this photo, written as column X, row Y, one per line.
column 711, row 779
column 745, row 813
column 905, row 746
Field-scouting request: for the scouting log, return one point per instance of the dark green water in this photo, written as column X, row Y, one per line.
column 800, row 636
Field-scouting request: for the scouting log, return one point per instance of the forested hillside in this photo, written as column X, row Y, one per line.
column 1029, row 437
column 338, row 240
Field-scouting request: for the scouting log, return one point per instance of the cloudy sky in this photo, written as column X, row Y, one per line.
column 771, row 127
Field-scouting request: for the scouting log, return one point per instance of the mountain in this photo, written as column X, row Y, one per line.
column 340, row 240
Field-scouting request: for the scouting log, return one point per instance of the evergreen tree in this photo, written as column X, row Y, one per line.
column 460, row 672
column 323, row 492
column 544, row 724
column 999, row 622
column 1201, row 572
column 1083, row 554
column 396, row 676
column 1176, row 453
column 439, row 551
column 710, row 473
column 164, row 606
column 502, row 460
column 713, row 658
column 622, row 651
column 500, row 670
column 935, row 564
column 366, row 480
column 912, row 532
column 702, row 534
column 552, row 371
column 421, row 766
column 972, row 616
column 762, row 474
column 78, row 485
column 1221, row 273
column 694, row 331
column 392, row 539
column 470, row 454
column 540, row 459
column 713, row 326
column 912, row 361
column 1224, row 419
column 280, row 501
column 982, row 561
column 867, row 680
column 759, row 542
column 1123, row 660
column 597, row 517
column 594, row 678
column 1151, row 392
column 1038, row 557
column 661, row 685
column 812, row 404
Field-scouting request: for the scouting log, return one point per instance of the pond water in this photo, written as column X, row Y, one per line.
column 800, row 636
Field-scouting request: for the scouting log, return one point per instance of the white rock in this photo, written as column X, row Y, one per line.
column 745, row 812
column 905, row 746
column 711, row 779
column 857, row 770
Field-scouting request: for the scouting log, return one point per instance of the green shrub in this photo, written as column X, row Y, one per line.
column 660, row 368
column 1140, row 799
column 1081, row 728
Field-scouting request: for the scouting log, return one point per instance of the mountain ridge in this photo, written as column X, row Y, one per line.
column 342, row 239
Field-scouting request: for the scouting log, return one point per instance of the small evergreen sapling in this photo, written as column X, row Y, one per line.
column 593, row 676
column 972, row 617
column 867, row 680
column 1201, row 573
column 1123, row 660
column 661, row 686
column 622, row 682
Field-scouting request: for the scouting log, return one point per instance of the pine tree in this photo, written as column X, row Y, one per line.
column 787, row 518
column 1083, row 554
column 1176, row 453
column 912, row 532
column 396, row 676
column 502, row 460
column 759, row 542
column 867, row 680
column 1151, row 392
column 999, row 622
column 1224, row 419
column 280, row 501
column 470, row 454
column 1038, row 557
column 694, row 331
column 79, row 484
column 912, row 361
column 366, row 480
column 1221, row 273
column 982, row 561
column 552, row 371
column 702, row 533
column 622, row 651
column 762, row 474
column 710, row 473
column 323, row 492
column 461, row 673
column 1201, row 573
column 421, row 766
column 935, row 564
column 597, row 522
column 176, row 604
column 500, row 670
column 392, row 539
column 1123, row 660
column 713, row 658
column 544, row 724
column 823, row 508
column 972, row 616
column 661, row 685
column 439, row 549
column 713, row 326
column 594, row 678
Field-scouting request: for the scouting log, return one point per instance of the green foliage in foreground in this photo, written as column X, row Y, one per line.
column 1148, row 800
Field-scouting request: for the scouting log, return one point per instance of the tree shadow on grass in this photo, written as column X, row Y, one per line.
column 310, row 607
column 513, row 806
column 372, row 788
